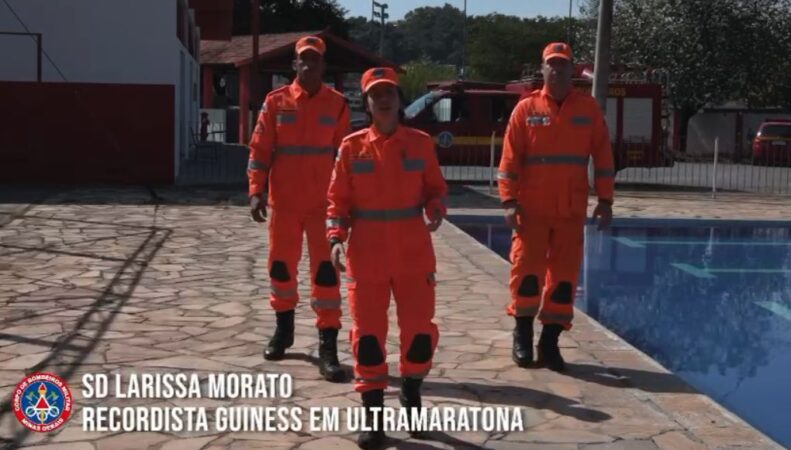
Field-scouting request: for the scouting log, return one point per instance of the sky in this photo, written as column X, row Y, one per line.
column 522, row 8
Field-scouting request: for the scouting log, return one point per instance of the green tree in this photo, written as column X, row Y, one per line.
column 712, row 51
column 365, row 33
column 418, row 73
column 434, row 34
column 500, row 46
column 279, row 16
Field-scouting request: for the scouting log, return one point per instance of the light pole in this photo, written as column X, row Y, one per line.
column 382, row 15
column 601, row 68
column 568, row 41
column 463, row 42
column 255, row 30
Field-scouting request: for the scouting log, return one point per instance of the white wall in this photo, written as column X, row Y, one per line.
column 705, row 127
column 104, row 41
column 638, row 121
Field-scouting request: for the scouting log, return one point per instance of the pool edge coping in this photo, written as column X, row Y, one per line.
column 613, row 336
column 633, row 221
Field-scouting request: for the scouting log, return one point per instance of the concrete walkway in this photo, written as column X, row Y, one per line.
column 105, row 281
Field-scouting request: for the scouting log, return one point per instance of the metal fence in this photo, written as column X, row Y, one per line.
column 219, row 163
column 214, row 163
column 770, row 175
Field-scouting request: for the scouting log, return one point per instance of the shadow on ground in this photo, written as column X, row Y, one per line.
column 70, row 350
column 621, row 377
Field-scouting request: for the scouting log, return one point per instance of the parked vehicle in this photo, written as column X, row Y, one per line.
column 772, row 143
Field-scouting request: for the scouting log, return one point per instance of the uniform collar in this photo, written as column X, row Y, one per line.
column 375, row 135
column 545, row 93
column 297, row 91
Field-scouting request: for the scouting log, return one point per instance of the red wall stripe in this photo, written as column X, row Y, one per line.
column 87, row 133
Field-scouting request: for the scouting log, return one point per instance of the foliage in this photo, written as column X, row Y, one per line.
column 500, row 46
column 413, row 83
column 713, row 51
column 280, row 16
column 497, row 47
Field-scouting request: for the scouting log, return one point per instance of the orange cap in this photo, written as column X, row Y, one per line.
column 557, row 50
column 378, row 75
column 311, row 43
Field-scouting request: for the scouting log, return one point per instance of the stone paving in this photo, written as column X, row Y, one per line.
column 107, row 281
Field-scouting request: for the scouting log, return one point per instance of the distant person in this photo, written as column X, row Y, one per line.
column 292, row 153
column 221, row 89
column 204, row 126
column 543, row 179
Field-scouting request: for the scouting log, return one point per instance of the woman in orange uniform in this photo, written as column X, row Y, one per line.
column 386, row 178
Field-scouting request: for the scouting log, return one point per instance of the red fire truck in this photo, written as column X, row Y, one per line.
column 462, row 116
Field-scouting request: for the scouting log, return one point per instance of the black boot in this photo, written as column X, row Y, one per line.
column 548, row 351
column 283, row 337
column 329, row 367
column 410, row 398
column 368, row 440
column 522, row 352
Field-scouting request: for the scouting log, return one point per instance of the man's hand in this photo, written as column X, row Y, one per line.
column 336, row 255
column 434, row 223
column 512, row 214
column 603, row 215
column 258, row 208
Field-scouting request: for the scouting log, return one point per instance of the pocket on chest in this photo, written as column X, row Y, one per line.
column 364, row 179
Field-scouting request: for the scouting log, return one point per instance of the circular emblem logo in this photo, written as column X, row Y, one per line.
column 445, row 139
column 42, row 402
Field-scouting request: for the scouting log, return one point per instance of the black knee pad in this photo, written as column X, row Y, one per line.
column 562, row 294
column 279, row 271
column 326, row 275
column 420, row 350
column 369, row 353
column 529, row 286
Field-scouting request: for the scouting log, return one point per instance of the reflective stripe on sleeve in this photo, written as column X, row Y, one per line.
column 253, row 164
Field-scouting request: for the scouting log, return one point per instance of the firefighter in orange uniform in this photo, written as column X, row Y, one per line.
column 543, row 178
column 386, row 178
column 292, row 153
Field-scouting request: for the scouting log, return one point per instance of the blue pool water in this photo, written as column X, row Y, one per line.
column 711, row 301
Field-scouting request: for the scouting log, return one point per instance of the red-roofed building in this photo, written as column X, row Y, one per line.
column 233, row 61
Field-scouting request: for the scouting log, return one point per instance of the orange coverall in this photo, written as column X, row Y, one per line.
column 292, row 152
column 380, row 189
column 544, row 168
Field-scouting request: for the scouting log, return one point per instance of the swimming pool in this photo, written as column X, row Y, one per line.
column 709, row 300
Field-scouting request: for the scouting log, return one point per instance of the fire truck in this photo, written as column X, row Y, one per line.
column 464, row 117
